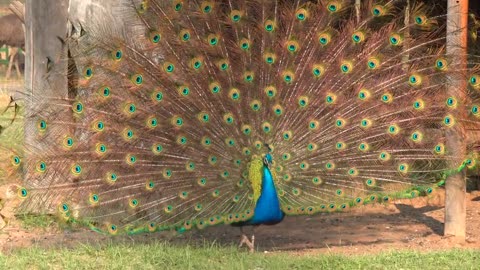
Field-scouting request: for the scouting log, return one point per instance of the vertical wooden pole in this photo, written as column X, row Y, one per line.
column 45, row 70
column 455, row 200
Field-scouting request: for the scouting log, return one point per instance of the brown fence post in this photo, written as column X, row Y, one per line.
column 455, row 200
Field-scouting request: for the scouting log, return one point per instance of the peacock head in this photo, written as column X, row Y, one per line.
column 268, row 159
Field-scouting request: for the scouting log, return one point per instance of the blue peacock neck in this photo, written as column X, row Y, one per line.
column 267, row 209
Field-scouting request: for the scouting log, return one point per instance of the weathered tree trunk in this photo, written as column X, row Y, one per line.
column 455, row 201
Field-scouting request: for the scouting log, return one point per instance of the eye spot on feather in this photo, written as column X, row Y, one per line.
column 41, row 167
column 451, row 102
column 449, row 121
column 76, row 170
column 419, row 104
column 245, row 44
column 88, row 73
column 387, row 98
column 155, row 37
column 364, row 147
column 330, row 166
column 248, row 76
column 269, row 25
column 358, row 37
column 206, row 7
column 312, row 147
column 378, row 11
column 317, row 181
column 393, row 129
column 270, row 58
column 168, row 67
column 417, row 136
column 236, row 15
column 266, row 127
column 215, row 87
column 403, row 168
column 415, row 80
column 373, row 63
column 441, row 64
column 346, row 67
column 23, row 193
column 167, row 173
column 395, row 39
column 439, row 149
column 177, row 5
column 301, row 14
column 131, row 159
column 333, row 6
column 313, row 125
column 104, row 91
column 182, row 140
column 117, row 55
column 277, row 110
column 475, row 110
column 303, row 101
column 206, row 141
column 318, row 70
column 212, row 160
column 384, row 156
column 16, row 161
column 184, row 35
column 324, row 38
column 93, row 199
column 474, row 81
column 41, row 125
column 340, row 145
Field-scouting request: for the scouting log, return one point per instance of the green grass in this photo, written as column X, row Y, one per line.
column 165, row 256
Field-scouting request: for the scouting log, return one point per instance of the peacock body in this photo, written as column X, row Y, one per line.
column 198, row 113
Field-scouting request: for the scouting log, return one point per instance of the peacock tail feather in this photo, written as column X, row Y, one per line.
column 174, row 111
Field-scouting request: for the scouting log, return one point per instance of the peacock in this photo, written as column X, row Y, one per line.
column 197, row 113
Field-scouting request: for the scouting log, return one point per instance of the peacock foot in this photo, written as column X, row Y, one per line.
column 250, row 244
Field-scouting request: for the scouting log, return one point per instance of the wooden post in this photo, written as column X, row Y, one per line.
column 455, row 200
column 45, row 71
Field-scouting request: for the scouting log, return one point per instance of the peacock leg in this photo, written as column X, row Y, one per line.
column 244, row 240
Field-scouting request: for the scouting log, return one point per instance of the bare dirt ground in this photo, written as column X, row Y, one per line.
column 412, row 224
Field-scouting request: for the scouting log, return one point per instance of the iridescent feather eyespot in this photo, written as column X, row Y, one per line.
column 393, row 129
column 387, row 98
column 395, row 39
column 301, row 14
column 330, row 99
column 373, row 63
column 206, row 7
column 16, row 161
column 244, row 44
column 313, row 125
column 104, row 92
column 415, row 80
column 441, row 64
column 419, row 104
column 228, row 118
column 334, row 6
column 183, row 90
column 324, row 38
column 100, row 149
column 364, row 147
column 288, row 76
column 451, row 102
column 266, row 127
column 358, row 37
column 184, row 35
column 277, row 110
column 448, row 121
column 269, row 25
column 41, row 167
column 378, row 10
column 475, row 110
column 384, row 156
column 303, row 101
column 416, row 136
column 270, row 91
column 117, row 55
column 474, row 81
column 177, row 5
column 366, row 123
column 196, row 63
column 248, row 76
column 151, row 122
column 234, row 94
column 439, row 149
column 155, row 37
column 318, row 70
column 76, row 170
column 346, row 67
column 214, row 87
column 88, row 72
column 93, row 199
column 236, row 15
column 269, row 58
column 22, row 193
column 292, row 46
column 363, row 94
column 157, row 148
column 168, row 67
column 255, row 105
column 223, row 65
column 212, row 39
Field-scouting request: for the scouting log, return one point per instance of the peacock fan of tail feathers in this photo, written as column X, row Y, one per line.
column 239, row 112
